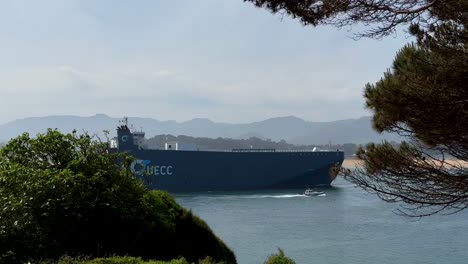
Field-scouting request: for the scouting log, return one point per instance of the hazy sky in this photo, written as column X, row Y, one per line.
column 180, row 59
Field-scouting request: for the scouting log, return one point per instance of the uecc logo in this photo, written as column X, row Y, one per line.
column 142, row 167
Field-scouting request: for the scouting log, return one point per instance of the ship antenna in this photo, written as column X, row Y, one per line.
column 124, row 121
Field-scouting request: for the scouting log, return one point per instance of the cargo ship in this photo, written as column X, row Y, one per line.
column 187, row 169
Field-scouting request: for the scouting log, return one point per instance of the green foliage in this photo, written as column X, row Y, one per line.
column 279, row 258
column 381, row 17
column 126, row 260
column 66, row 195
column 423, row 97
column 114, row 260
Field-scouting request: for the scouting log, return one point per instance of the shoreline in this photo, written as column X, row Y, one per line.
column 352, row 163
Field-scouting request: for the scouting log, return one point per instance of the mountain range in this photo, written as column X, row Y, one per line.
column 289, row 128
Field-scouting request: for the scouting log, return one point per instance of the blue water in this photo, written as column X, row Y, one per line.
column 345, row 226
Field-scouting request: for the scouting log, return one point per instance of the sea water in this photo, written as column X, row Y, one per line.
column 346, row 225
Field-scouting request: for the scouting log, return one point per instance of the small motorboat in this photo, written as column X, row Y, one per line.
column 310, row 192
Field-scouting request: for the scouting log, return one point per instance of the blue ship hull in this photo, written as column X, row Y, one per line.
column 193, row 171
column 188, row 171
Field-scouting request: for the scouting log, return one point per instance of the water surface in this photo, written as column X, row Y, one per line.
column 344, row 226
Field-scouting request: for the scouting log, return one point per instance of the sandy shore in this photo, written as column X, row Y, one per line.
column 349, row 163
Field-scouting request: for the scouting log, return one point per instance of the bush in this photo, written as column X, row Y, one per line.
column 66, row 195
column 124, row 260
column 113, row 260
column 279, row 258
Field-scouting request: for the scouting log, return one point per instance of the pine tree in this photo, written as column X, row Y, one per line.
column 423, row 97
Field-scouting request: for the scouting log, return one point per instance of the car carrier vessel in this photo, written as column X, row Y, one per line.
column 191, row 170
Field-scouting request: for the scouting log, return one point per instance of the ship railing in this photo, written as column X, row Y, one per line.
column 253, row 150
column 307, row 150
column 272, row 150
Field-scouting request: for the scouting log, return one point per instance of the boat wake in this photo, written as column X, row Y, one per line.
column 281, row 196
column 277, row 196
column 259, row 196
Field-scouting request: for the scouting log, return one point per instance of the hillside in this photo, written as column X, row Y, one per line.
column 291, row 129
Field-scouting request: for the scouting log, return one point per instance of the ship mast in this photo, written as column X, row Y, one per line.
column 124, row 121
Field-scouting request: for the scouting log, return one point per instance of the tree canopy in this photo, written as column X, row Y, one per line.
column 64, row 194
column 424, row 100
column 422, row 97
column 279, row 258
column 381, row 16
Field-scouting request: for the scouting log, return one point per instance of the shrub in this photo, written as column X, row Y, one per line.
column 113, row 260
column 124, row 260
column 279, row 258
column 64, row 194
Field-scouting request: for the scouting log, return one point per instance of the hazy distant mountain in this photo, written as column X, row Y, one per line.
column 344, row 131
column 290, row 128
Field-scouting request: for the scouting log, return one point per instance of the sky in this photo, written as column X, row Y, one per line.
column 181, row 59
